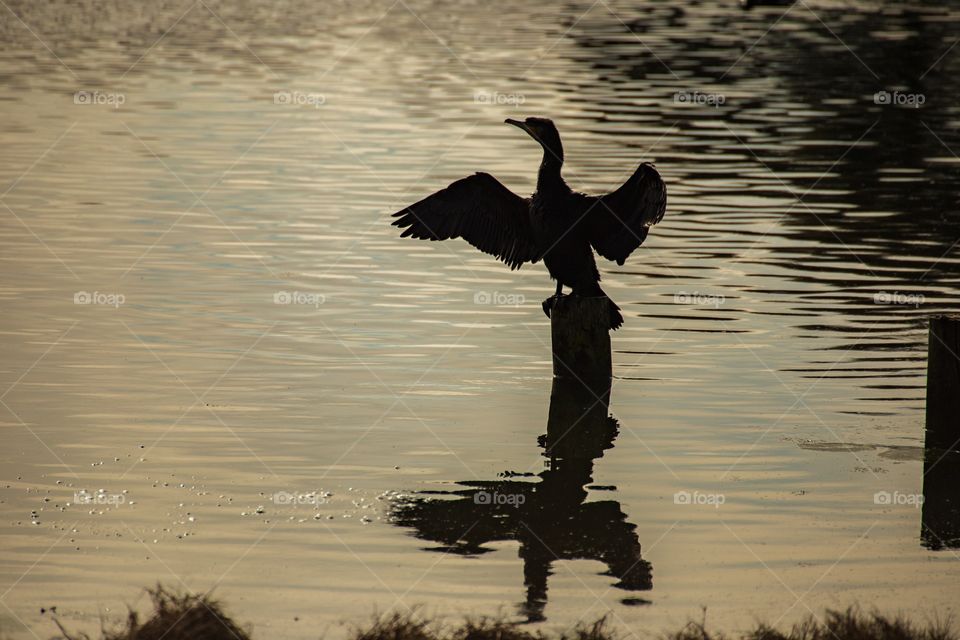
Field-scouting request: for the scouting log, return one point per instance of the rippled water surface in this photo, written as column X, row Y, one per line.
column 257, row 326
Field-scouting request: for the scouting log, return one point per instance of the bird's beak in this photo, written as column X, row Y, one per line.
column 520, row 124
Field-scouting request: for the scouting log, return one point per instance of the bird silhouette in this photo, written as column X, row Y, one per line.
column 556, row 224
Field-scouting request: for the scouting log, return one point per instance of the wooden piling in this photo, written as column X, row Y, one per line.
column 943, row 383
column 580, row 332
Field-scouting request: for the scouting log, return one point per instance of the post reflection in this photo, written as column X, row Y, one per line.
column 940, row 515
column 550, row 518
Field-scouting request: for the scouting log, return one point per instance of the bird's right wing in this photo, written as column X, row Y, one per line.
column 619, row 221
column 480, row 210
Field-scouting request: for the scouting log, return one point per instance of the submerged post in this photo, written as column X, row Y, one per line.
column 940, row 518
column 580, row 332
column 943, row 383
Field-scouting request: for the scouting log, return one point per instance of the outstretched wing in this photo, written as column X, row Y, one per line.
column 619, row 221
column 480, row 210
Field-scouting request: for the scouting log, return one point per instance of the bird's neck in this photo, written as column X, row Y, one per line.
column 549, row 175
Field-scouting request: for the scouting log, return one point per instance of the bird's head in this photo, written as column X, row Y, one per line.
column 543, row 131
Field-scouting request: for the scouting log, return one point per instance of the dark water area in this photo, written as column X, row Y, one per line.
column 223, row 368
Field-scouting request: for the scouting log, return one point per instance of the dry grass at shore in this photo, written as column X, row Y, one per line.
column 189, row 617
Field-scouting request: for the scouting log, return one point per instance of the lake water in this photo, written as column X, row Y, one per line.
column 204, row 304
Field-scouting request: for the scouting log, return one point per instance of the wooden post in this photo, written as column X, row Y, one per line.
column 943, row 383
column 940, row 517
column 580, row 331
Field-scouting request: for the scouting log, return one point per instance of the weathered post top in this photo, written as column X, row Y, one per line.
column 943, row 383
column 580, row 332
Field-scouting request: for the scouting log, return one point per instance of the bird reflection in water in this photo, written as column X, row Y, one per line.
column 551, row 519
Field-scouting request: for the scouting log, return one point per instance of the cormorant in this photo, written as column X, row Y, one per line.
column 555, row 224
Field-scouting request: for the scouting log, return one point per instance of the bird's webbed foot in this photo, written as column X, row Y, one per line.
column 548, row 303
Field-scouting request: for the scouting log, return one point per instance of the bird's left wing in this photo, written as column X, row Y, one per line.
column 618, row 222
column 480, row 210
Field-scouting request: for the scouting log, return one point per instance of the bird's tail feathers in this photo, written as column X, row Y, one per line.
column 616, row 318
